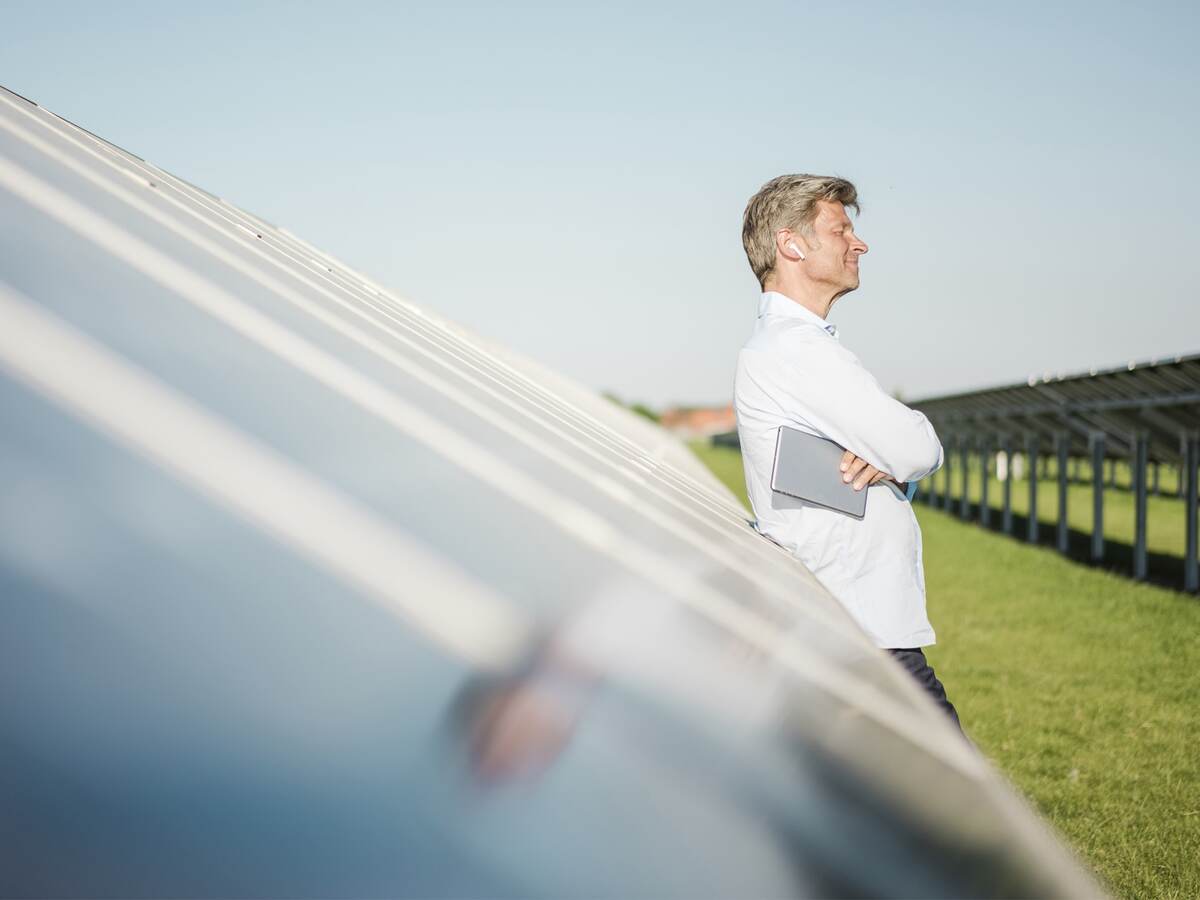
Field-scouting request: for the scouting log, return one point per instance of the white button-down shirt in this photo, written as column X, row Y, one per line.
column 794, row 371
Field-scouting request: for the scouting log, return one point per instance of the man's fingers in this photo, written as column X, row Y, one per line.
column 865, row 477
column 854, row 468
column 858, row 470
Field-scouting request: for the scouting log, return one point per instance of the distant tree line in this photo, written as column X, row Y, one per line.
column 640, row 408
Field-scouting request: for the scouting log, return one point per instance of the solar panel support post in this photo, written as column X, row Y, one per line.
column 947, row 474
column 934, row 493
column 964, row 457
column 1191, row 497
column 1097, row 442
column 929, row 495
column 1006, row 520
column 1141, row 447
column 1063, row 444
column 940, row 478
column 958, row 442
column 1031, row 525
column 932, row 490
column 985, row 511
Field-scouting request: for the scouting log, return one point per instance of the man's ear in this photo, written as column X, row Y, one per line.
column 790, row 244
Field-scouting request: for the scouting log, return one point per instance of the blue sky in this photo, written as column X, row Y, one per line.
column 569, row 179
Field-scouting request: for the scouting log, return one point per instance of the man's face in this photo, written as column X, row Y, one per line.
column 834, row 248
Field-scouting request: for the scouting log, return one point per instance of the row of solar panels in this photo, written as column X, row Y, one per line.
column 307, row 591
column 1159, row 399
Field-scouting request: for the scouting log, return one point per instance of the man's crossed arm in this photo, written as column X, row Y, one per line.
column 884, row 439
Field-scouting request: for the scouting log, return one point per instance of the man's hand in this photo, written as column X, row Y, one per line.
column 861, row 472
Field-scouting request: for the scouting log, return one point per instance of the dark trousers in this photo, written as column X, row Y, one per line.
column 915, row 663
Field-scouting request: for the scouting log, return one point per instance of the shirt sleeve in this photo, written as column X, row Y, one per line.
column 824, row 385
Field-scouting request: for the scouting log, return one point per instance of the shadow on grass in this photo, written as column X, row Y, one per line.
column 1162, row 569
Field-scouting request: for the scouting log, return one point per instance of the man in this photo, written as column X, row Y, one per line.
column 794, row 371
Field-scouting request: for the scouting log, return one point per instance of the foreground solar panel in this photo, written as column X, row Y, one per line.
column 308, row 592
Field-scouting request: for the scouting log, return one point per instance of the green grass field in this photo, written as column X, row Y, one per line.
column 1082, row 686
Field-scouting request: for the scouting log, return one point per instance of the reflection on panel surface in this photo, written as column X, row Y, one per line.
column 310, row 592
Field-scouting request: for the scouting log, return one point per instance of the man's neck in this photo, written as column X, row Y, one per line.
column 816, row 298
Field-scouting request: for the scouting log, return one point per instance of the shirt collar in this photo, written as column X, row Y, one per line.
column 777, row 304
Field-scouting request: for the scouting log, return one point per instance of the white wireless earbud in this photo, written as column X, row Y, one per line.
column 796, row 249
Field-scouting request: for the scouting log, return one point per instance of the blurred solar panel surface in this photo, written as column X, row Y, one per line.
column 309, row 592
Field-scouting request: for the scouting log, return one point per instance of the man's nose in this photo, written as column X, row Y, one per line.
column 859, row 245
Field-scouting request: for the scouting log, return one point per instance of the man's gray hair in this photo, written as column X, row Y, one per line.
column 789, row 201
